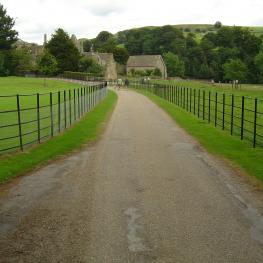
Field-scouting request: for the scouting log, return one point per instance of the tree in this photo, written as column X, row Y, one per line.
column 103, row 36
column 47, row 64
column 218, row 25
column 63, row 49
column 8, row 36
column 259, row 63
column 121, row 55
column 89, row 65
column 22, row 60
column 235, row 69
column 87, row 44
column 206, row 72
column 157, row 72
column 175, row 66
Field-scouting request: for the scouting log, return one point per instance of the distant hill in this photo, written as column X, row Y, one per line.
column 198, row 29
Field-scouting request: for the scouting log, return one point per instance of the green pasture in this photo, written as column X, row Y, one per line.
column 86, row 130
column 193, row 96
column 249, row 90
column 27, row 88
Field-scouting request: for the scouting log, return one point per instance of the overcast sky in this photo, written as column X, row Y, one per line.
column 86, row 18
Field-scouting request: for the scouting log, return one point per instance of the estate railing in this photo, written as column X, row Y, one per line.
column 26, row 119
column 240, row 115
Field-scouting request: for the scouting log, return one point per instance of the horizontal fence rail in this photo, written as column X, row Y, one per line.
column 240, row 115
column 26, row 119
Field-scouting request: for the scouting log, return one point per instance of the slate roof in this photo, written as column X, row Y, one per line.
column 143, row 60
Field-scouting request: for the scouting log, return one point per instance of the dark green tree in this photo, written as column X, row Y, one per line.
column 87, row 44
column 89, row 65
column 8, row 36
column 63, row 49
column 218, row 24
column 103, row 36
column 259, row 63
column 22, row 60
column 121, row 55
column 235, row 69
column 175, row 66
column 47, row 64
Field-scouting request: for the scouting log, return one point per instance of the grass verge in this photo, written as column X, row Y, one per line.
column 214, row 140
column 87, row 130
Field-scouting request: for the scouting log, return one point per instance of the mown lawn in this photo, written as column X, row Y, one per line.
column 219, row 105
column 27, row 89
column 249, row 90
column 215, row 140
column 86, row 130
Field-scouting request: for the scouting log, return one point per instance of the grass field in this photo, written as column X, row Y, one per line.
column 249, row 90
column 86, row 130
column 27, row 88
column 215, row 140
column 220, row 105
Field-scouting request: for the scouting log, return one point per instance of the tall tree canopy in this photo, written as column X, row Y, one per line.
column 8, row 36
column 64, row 50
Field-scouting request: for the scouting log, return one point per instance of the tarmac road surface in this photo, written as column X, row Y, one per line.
column 146, row 192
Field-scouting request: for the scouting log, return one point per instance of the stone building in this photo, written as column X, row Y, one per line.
column 146, row 62
column 107, row 61
column 34, row 49
column 77, row 43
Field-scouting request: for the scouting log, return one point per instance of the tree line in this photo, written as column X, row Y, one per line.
column 59, row 54
column 227, row 53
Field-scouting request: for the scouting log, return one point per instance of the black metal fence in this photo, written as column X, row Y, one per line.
column 26, row 119
column 240, row 115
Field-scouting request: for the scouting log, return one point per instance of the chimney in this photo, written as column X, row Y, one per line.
column 45, row 39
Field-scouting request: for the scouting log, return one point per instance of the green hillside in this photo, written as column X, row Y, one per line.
column 201, row 29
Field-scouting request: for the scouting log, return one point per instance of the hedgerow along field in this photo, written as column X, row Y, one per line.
column 28, row 88
column 221, row 106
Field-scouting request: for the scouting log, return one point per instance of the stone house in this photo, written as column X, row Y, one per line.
column 146, row 62
column 107, row 61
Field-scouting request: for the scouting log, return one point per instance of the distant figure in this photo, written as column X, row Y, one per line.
column 119, row 83
column 126, row 82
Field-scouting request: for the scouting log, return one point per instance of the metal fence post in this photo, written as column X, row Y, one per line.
column 190, row 99
column 51, row 114
column 184, row 97
column 242, row 118
column 19, row 122
column 223, row 113
column 84, row 98
column 216, row 109
column 198, row 110
column 203, row 105
column 81, row 101
column 209, row 107
column 59, row 117
column 38, row 119
column 194, row 100
column 78, row 104
column 70, row 113
column 182, row 102
column 187, row 99
column 65, row 110
column 255, row 123
column 232, row 114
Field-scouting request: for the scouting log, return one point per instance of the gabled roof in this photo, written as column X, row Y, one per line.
column 144, row 60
